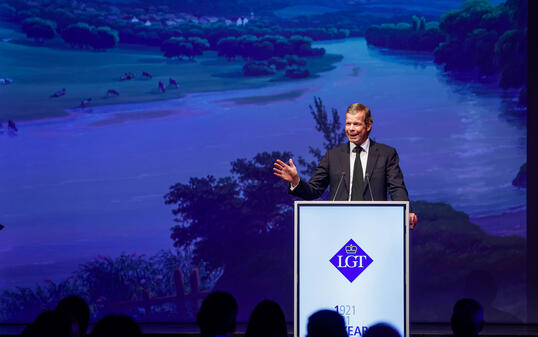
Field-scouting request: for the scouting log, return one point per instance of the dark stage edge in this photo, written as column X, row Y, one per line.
column 417, row 330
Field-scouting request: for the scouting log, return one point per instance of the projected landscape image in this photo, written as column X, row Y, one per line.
column 137, row 141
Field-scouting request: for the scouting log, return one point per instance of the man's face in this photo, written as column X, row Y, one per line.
column 356, row 129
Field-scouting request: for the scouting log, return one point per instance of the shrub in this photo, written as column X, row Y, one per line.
column 297, row 72
column 278, row 62
column 294, row 60
column 257, row 69
column 78, row 35
column 38, row 29
column 105, row 38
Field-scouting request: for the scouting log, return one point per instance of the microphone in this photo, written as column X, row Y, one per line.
column 339, row 183
column 369, row 186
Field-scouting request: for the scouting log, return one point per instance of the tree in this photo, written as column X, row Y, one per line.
column 473, row 41
column 300, row 45
column 246, row 43
column 518, row 11
column 199, row 45
column 177, row 47
column 261, row 50
column 418, row 35
column 458, row 23
column 479, row 46
column 498, row 20
column 508, row 56
column 63, row 18
column 415, row 22
column 447, row 53
column 278, row 62
column 422, row 24
column 219, row 32
column 331, row 130
column 105, row 38
column 282, row 47
column 190, row 29
column 79, row 35
column 221, row 219
column 38, row 29
column 228, row 47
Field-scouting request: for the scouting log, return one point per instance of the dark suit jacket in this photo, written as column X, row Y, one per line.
column 382, row 169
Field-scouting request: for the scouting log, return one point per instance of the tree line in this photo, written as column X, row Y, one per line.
column 417, row 35
column 77, row 35
column 487, row 39
column 479, row 38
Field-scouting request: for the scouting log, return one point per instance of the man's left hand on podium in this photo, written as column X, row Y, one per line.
column 413, row 219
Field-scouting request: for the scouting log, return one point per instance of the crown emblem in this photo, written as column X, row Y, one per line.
column 351, row 249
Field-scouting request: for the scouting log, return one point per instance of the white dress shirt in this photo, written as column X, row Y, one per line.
column 364, row 159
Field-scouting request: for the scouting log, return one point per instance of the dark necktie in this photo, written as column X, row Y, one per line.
column 358, row 181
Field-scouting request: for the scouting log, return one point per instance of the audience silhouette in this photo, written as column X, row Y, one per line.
column 217, row 318
column 326, row 323
column 381, row 330
column 267, row 320
column 217, row 315
column 78, row 312
column 116, row 326
column 467, row 318
column 49, row 324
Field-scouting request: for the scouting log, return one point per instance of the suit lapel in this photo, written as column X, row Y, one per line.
column 373, row 154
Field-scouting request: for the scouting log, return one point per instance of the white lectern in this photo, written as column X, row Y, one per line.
column 352, row 257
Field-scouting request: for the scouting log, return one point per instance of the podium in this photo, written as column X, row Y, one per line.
column 352, row 257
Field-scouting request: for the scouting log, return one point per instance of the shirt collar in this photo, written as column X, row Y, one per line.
column 365, row 146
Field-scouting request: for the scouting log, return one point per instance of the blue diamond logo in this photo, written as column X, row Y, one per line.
column 351, row 260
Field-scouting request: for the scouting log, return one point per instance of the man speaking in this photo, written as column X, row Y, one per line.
column 357, row 171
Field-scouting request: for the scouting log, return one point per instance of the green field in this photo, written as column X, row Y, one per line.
column 39, row 71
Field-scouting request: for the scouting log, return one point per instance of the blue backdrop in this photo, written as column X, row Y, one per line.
column 137, row 139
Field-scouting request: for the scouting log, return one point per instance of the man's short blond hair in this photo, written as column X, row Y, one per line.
column 355, row 108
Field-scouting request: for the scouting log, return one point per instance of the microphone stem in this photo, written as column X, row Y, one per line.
column 369, row 186
column 338, row 187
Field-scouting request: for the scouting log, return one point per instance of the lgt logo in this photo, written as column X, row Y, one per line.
column 351, row 260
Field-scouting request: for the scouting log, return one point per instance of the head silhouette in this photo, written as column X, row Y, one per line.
column 49, row 324
column 217, row 314
column 467, row 318
column 326, row 323
column 267, row 320
column 381, row 330
column 78, row 310
column 116, row 326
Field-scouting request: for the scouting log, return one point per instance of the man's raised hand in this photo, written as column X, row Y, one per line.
column 286, row 172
